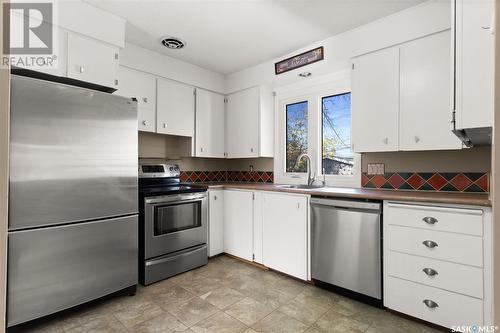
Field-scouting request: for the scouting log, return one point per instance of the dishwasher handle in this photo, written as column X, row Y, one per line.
column 347, row 204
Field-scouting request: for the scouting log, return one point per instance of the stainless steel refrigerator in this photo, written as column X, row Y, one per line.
column 72, row 233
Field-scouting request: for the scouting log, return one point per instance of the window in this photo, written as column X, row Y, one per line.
column 337, row 155
column 314, row 117
column 296, row 135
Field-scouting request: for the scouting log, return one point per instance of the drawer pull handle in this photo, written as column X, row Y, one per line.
column 430, row 244
column 430, row 271
column 430, row 304
column 430, row 220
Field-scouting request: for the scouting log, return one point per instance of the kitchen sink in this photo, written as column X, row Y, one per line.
column 300, row 186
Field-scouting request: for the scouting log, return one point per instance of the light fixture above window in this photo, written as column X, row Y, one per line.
column 305, row 74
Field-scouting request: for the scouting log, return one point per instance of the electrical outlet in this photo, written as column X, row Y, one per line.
column 376, row 168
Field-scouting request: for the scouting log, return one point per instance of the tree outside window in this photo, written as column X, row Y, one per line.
column 296, row 136
column 337, row 154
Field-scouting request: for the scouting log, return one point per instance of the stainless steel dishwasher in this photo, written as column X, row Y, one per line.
column 346, row 247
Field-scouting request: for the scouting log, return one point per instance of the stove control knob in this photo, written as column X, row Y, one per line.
column 171, row 168
column 176, row 168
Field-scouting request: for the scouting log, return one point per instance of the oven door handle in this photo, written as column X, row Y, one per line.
column 175, row 198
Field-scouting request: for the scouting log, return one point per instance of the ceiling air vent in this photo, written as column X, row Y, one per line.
column 173, row 42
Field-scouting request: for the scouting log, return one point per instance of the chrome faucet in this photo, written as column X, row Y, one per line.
column 310, row 180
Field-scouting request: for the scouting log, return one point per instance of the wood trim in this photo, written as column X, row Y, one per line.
column 4, row 175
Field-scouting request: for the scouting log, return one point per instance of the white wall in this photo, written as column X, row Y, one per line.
column 158, row 64
column 415, row 22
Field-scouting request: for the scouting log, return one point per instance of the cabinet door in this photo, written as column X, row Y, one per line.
column 285, row 233
column 210, row 124
column 216, row 222
column 141, row 86
column 242, row 125
column 92, row 61
column 375, row 101
column 175, row 108
column 238, row 223
column 474, row 63
column 425, row 94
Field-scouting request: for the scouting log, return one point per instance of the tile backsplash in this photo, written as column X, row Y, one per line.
column 227, row 176
column 469, row 182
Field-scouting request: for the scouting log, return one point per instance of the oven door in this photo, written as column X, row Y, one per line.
column 174, row 222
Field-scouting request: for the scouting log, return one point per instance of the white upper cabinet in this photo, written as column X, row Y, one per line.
column 474, row 63
column 141, row 86
column 210, row 124
column 175, row 108
column 92, row 61
column 249, row 123
column 375, row 101
column 425, row 66
column 284, row 230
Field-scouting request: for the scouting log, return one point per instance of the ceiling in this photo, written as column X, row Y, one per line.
column 229, row 35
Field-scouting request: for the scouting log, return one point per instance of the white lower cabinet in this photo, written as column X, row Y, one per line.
column 284, row 230
column 215, row 222
column 238, row 223
column 264, row 227
column 433, row 271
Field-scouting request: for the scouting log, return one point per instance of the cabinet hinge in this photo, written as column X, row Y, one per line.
column 253, row 196
column 116, row 56
column 194, row 92
column 352, row 66
column 253, row 256
column 225, row 100
column 453, row 116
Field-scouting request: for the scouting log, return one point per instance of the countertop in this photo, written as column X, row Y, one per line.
column 475, row 199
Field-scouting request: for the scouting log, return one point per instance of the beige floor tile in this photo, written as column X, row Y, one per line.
column 306, row 312
column 249, row 330
column 219, row 323
column 138, row 312
column 164, row 323
column 172, row 297
column 200, row 284
column 223, row 297
column 333, row 321
column 249, row 311
column 92, row 320
column 193, row 311
column 278, row 322
column 318, row 296
column 244, row 284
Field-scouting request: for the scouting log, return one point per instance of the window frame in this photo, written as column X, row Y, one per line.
column 312, row 90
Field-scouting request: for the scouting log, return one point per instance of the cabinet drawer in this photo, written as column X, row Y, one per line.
column 464, row 221
column 458, row 278
column 457, row 248
column 450, row 309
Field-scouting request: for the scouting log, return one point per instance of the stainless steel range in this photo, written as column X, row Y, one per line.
column 173, row 223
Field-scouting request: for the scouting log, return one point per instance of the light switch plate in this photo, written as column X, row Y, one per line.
column 376, row 168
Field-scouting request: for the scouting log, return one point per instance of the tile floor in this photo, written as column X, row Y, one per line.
column 229, row 296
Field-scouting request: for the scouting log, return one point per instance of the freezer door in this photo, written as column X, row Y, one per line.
column 55, row 268
column 73, row 154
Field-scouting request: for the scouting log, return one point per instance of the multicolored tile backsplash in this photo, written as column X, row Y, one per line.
column 227, row 176
column 469, row 182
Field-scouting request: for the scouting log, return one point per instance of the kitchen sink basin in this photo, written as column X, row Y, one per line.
column 300, row 186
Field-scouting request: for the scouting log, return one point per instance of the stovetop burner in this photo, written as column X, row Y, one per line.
column 162, row 179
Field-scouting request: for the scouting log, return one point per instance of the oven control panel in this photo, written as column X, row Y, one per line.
column 158, row 170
